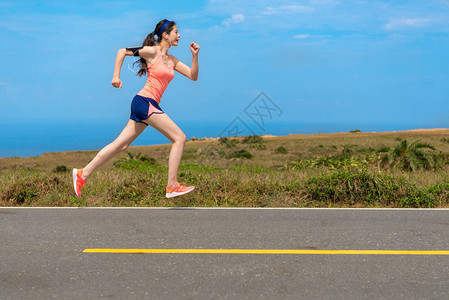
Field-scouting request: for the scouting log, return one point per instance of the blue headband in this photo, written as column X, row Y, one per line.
column 162, row 28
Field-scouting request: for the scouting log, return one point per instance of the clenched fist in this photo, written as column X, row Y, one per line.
column 194, row 47
column 116, row 82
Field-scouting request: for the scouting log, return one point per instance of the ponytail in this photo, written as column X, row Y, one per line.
column 150, row 41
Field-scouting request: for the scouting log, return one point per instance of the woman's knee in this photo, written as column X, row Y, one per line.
column 181, row 138
column 124, row 147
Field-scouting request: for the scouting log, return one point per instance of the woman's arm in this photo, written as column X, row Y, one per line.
column 182, row 68
column 116, row 82
column 119, row 61
column 144, row 52
column 195, row 48
column 194, row 69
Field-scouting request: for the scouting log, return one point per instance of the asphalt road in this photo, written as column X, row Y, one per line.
column 41, row 254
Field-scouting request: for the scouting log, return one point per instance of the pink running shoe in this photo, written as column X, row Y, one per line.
column 78, row 181
column 178, row 190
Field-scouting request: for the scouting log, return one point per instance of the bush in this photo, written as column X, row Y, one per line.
column 361, row 187
column 254, row 141
column 240, row 154
column 443, row 157
column 148, row 159
column 412, row 157
column 281, row 150
column 418, row 197
column 440, row 191
column 31, row 188
column 383, row 149
column 347, row 150
column 228, row 142
column 60, row 169
column 338, row 161
column 134, row 160
column 129, row 192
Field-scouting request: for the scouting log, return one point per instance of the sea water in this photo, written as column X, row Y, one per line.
column 34, row 139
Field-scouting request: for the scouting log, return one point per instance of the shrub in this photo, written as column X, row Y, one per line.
column 441, row 191
column 60, row 169
column 129, row 192
column 148, row 159
column 254, row 141
column 338, row 161
column 28, row 189
column 383, row 149
column 417, row 197
column 240, row 154
column 134, row 160
column 228, row 142
column 281, row 150
column 411, row 157
column 362, row 187
column 443, row 157
column 347, row 150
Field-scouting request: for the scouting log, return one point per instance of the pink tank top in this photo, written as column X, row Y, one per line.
column 159, row 76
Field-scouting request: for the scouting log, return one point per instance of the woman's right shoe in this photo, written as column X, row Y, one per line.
column 78, row 181
column 177, row 190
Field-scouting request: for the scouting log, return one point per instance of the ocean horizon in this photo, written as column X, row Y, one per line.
column 35, row 139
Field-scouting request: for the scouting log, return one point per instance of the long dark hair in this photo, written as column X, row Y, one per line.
column 149, row 41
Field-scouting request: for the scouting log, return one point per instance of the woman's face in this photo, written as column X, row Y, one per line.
column 174, row 36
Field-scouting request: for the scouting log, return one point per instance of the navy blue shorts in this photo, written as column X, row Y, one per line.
column 142, row 108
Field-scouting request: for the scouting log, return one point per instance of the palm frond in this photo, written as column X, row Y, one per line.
column 424, row 145
column 412, row 156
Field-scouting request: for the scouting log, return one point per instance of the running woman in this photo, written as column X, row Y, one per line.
column 145, row 109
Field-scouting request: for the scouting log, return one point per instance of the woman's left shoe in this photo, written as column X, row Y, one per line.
column 78, row 181
column 177, row 190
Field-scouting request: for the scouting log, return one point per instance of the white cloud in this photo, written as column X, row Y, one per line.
column 316, row 36
column 236, row 18
column 301, row 36
column 362, row 16
column 288, row 9
column 324, row 2
column 406, row 23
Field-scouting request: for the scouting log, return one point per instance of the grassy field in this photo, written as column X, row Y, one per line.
column 318, row 170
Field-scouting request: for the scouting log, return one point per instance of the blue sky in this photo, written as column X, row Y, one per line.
column 378, row 63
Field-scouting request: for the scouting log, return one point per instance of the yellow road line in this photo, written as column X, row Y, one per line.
column 268, row 251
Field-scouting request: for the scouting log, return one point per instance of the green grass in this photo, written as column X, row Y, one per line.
column 333, row 170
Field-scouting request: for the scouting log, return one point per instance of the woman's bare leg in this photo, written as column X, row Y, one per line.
column 131, row 131
column 165, row 125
